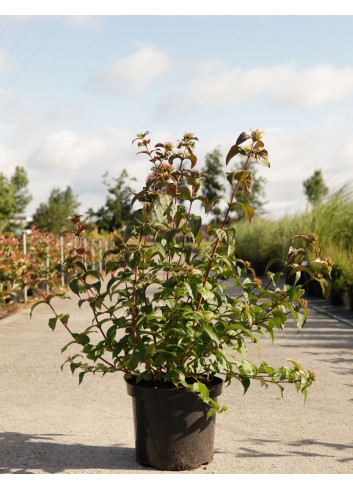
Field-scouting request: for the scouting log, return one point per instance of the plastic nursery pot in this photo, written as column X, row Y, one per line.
column 172, row 431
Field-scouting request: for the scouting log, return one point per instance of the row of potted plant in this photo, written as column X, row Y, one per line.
column 46, row 251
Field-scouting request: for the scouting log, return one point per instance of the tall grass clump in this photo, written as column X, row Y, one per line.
column 331, row 220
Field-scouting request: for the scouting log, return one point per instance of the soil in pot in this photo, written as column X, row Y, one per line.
column 172, row 431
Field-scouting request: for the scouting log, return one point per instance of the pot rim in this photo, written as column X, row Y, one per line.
column 174, row 394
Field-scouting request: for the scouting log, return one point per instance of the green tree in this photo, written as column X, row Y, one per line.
column 213, row 185
column 51, row 216
column 315, row 188
column 117, row 209
column 254, row 199
column 19, row 182
column 14, row 196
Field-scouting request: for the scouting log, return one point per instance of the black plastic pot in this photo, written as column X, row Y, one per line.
column 172, row 431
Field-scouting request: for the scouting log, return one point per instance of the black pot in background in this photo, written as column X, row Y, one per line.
column 347, row 298
column 336, row 297
column 172, row 431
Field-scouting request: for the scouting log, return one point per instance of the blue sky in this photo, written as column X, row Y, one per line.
column 74, row 91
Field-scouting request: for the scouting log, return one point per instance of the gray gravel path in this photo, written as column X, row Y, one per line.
column 51, row 425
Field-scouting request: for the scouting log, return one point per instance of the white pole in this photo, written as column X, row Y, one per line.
column 100, row 256
column 24, row 245
column 62, row 261
column 85, row 256
column 47, row 269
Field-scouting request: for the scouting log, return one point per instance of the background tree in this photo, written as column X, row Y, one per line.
column 51, row 216
column 19, row 182
column 256, row 198
column 215, row 169
column 14, row 195
column 315, row 188
column 117, row 209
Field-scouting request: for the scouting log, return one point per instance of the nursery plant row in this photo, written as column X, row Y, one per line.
column 48, row 251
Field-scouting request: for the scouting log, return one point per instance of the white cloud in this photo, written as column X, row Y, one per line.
column 217, row 84
column 132, row 74
column 66, row 158
column 68, row 150
column 9, row 159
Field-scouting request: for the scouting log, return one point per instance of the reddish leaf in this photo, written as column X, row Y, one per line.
column 193, row 160
column 242, row 138
column 137, row 196
column 234, row 150
column 262, row 158
column 173, row 157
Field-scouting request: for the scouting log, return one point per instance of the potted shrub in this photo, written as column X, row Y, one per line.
column 162, row 315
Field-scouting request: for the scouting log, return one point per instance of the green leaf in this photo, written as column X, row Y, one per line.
column 239, row 175
column 135, row 259
column 229, row 235
column 202, row 389
column 294, row 293
column 211, row 412
column 128, row 233
column 203, row 200
column 74, row 286
column 52, row 323
column 249, row 211
column 211, row 333
column 194, row 223
column 81, row 339
column 35, row 305
column 64, row 318
column 160, row 249
column 301, row 319
column 199, row 238
column 245, row 381
column 80, row 376
column 74, row 366
column 66, row 346
column 81, row 265
column 206, row 294
column 184, row 193
column 188, row 290
column 140, row 215
column 171, row 234
column 165, row 201
column 211, row 202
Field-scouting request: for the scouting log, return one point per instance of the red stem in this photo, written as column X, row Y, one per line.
column 133, row 310
column 224, row 223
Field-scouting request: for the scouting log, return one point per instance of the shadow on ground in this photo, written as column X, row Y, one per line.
column 22, row 453
column 342, row 453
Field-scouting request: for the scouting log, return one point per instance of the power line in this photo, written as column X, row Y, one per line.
column 34, row 53
column 20, row 36
column 6, row 22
